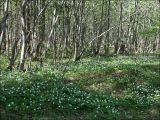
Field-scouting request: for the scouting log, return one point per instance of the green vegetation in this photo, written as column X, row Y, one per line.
column 79, row 60
column 97, row 88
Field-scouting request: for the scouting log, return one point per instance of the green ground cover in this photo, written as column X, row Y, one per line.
column 100, row 88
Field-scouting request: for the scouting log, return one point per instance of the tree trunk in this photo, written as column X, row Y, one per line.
column 23, row 34
column 3, row 24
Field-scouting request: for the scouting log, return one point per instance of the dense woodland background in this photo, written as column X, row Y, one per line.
column 80, row 59
column 57, row 29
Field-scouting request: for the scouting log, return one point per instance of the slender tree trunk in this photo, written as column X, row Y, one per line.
column 23, row 34
column 107, row 41
column 135, row 28
column 116, row 47
column 3, row 24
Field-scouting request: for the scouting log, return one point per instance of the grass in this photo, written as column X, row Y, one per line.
column 100, row 88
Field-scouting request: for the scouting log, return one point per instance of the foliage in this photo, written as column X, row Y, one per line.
column 43, row 90
column 3, row 62
column 133, row 88
column 151, row 32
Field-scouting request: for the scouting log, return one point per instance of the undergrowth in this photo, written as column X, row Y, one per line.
column 94, row 89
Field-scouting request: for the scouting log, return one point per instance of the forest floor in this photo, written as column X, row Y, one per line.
column 100, row 88
column 134, row 78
